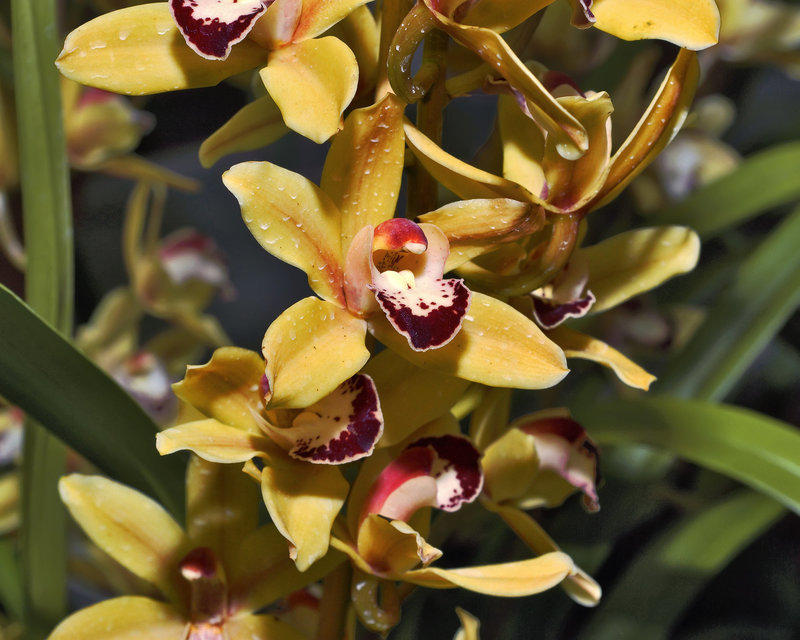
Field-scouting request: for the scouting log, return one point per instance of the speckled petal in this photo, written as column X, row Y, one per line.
column 456, row 469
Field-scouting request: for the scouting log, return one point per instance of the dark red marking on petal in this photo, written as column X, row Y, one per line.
column 399, row 234
column 550, row 314
column 352, row 441
column 430, row 314
column 554, row 79
column 582, row 16
column 410, row 464
column 458, row 474
column 212, row 27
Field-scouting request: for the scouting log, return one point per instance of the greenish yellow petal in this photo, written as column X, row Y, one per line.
column 125, row 618
column 502, row 15
column 127, row 525
column 310, row 349
column 9, row 502
column 318, row 16
column 213, row 441
column 470, row 626
column 139, row 50
column 134, row 167
column 303, row 500
column 509, row 464
column 312, row 82
column 496, row 346
column 292, row 219
column 523, row 146
column 490, row 418
column 580, row 345
column 390, row 548
column 255, row 125
column 263, row 627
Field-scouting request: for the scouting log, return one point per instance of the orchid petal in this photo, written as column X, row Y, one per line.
column 310, row 349
column 410, row 396
column 318, row 16
column 497, row 346
column 212, row 27
column 693, row 24
column 123, row 618
column 360, row 31
column 392, row 548
column 255, row 125
column 490, row 418
column 276, row 26
column 292, row 219
column 659, row 124
column 139, row 50
column 550, row 313
column 501, row 15
column 510, row 464
column 312, row 82
column 226, row 388
column 523, row 147
column 303, row 501
column 132, row 528
column 510, row 579
column 636, row 261
column 470, row 626
column 213, row 441
column 458, row 475
column 364, row 166
column 579, row 345
column 263, row 627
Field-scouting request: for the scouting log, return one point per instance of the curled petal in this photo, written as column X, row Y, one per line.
column 510, row 464
column 212, row 27
column 390, row 549
column 456, row 469
column 550, row 313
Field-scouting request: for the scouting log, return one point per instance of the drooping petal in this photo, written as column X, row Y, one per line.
column 226, row 388
column 510, row 464
column 212, row 27
column 364, row 166
column 310, row 349
column 303, row 501
column 579, row 345
column 213, row 441
column 139, row 50
column 341, row 427
column 125, row 617
column 636, row 261
column 129, row 526
column 510, row 579
column 312, row 82
column 390, row 549
column 255, row 125
column 497, row 346
column 693, row 24
column 263, row 627
column 292, row 219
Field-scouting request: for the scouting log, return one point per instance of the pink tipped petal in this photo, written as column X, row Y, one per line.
column 212, row 27
column 457, row 470
column 428, row 313
column 342, row 427
column 549, row 313
column 399, row 234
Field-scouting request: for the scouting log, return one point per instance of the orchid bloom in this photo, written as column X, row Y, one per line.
column 184, row 44
column 386, row 511
column 214, row 576
column 299, row 448
column 375, row 272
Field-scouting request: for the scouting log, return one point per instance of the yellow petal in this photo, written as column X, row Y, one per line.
column 490, row 418
column 509, row 465
column 636, row 261
column 364, row 166
column 659, row 124
column 497, row 346
column 139, row 50
column 410, row 397
column 226, row 388
column 255, row 125
column 510, row 579
column 361, row 32
column 523, row 146
column 502, row 15
column 470, row 626
column 392, row 548
column 693, row 24
column 312, row 82
column 221, row 507
column 318, row 16
column 125, row 618
column 127, row 525
column 263, row 627
column 303, row 499
column 212, row 440
column 293, row 219
column 580, row 345
column 310, row 349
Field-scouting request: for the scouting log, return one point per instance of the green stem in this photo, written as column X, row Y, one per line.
column 49, row 290
column 335, row 601
column 411, row 32
column 392, row 14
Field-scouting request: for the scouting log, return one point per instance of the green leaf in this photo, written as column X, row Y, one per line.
column 677, row 565
column 752, row 448
column 746, row 315
column 763, row 181
column 57, row 385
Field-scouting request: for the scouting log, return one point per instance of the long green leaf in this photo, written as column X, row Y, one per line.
column 763, row 181
column 48, row 289
column 677, row 565
column 744, row 318
column 51, row 380
column 752, row 448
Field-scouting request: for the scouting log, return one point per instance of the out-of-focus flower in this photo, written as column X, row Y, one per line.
column 470, row 626
column 214, row 576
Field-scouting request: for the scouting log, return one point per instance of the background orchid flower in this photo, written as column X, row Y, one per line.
column 302, row 498
column 184, row 44
column 214, row 576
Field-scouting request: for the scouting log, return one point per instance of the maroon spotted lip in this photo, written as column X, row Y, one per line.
column 212, row 27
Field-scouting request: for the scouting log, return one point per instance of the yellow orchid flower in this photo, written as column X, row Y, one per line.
column 184, row 44
column 214, row 577
column 375, row 272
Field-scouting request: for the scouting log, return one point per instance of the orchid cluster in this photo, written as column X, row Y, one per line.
column 381, row 402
